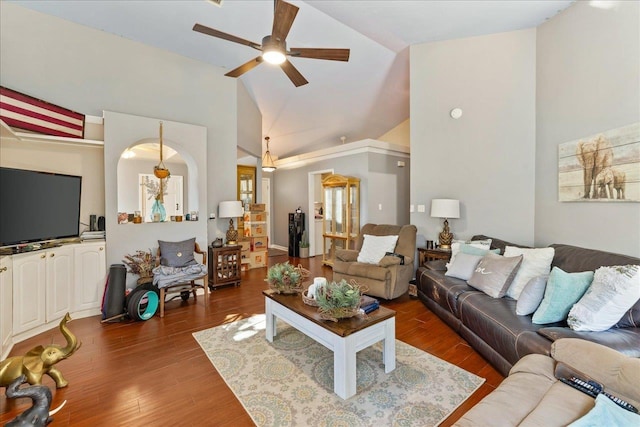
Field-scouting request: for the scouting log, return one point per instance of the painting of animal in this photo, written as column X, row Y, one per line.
column 594, row 156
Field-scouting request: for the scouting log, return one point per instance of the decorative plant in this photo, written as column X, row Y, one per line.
column 141, row 263
column 337, row 300
column 153, row 188
column 285, row 278
column 304, row 243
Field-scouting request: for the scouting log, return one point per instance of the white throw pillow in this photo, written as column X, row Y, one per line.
column 464, row 266
column 456, row 246
column 531, row 296
column 535, row 262
column 612, row 293
column 374, row 248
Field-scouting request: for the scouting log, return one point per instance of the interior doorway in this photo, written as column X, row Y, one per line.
column 315, row 215
column 266, row 199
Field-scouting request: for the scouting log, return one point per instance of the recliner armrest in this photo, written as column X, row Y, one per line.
column 347, row 255
column 389, row 260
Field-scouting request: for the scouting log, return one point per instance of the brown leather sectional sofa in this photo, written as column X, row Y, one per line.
column 493, row 328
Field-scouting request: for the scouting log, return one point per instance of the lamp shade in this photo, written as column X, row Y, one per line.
column 230, row 209
column 445, row 208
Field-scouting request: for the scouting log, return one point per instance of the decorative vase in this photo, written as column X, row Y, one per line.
column 304, row 252
column 158, row 210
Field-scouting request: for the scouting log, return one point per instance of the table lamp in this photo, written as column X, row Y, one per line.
column 445, row 208
column 231, row 209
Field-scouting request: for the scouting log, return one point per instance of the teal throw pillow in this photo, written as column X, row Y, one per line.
column 607, row 413
column 474, row 250
column 562, row 291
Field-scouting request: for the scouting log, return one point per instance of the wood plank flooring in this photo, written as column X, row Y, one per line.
column 154, row 373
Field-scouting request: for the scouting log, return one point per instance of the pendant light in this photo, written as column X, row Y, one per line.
column 267, row 161
column 160, row 170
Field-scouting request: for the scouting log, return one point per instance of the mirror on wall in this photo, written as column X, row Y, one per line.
column 143, row 197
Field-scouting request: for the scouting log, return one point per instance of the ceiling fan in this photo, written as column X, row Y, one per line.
column 274, row 46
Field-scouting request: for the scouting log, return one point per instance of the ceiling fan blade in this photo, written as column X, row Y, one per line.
column 293, row 74
column 318, row 53
column 250, row 65
column 219, row 34
column 283, row 17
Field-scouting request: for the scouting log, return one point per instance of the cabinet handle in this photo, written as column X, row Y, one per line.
column 101, row 248
column 52, row 255
column 43, row 256
column 3, row 269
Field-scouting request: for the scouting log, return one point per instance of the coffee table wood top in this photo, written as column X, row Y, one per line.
column 342, row 327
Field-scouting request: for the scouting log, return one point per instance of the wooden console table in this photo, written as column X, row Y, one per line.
column 224, row 266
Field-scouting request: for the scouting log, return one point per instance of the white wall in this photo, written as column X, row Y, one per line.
column 486, row 158
column 89, row 71
column 588, row 81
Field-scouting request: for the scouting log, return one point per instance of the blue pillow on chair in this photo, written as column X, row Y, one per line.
column 177, row 254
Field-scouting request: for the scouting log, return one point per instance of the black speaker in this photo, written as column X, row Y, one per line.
column 101, row 224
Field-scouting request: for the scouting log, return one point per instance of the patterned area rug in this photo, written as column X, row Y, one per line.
column 290, row 382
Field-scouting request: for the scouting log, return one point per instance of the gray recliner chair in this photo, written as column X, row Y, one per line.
column 388, row 279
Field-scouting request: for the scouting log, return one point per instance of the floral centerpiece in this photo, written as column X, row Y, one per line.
column 284, row 278
column 142, row 264
column 339, row 300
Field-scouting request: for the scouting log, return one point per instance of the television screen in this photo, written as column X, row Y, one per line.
column 38, row 206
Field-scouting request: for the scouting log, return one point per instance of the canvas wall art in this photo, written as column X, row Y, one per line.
column 604, row 167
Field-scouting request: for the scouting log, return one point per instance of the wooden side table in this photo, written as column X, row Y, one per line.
column 224, row 266
column 425, row 255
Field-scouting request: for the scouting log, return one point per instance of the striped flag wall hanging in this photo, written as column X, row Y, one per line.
column 28, row 113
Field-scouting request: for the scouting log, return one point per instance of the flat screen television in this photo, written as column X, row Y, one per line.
column 38, row 206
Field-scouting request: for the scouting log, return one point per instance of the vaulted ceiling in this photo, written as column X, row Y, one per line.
column 362, row 98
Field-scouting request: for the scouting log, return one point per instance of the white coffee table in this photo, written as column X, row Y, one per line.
column 345, row 337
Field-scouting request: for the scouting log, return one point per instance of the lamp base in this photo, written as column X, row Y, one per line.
column 232, row 234
column 445, row 237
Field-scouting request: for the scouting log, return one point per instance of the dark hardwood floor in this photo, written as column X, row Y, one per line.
column 154, row 373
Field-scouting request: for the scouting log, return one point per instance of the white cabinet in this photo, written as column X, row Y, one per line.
column 29, row 291
column 6, row 305
column 90, row 275
column 42, row 287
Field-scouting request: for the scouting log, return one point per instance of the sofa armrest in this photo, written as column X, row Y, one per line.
column 624, row 340
column 617, row 372
column 436, row 265
column 347, row 255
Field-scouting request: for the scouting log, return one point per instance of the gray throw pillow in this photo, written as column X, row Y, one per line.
column 494, row 274
column 531, row 295
column 177, row 254
column 463, row 266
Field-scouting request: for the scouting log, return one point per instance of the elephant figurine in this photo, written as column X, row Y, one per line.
column 38, row 415
column 40, row 361
column 594, row 156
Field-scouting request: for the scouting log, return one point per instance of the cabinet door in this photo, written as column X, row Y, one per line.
column 59, row 280
column 90, row 275
column 6, row 304
column 29, row 291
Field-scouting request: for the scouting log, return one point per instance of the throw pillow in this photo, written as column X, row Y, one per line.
column 464, row 266
column 375, row 247
column 177, row 254
column 531, row 296
column 535, row 262
column 494, row 274
column 613, row 292
column 607, row 413
column 562, row 291
column 456, row 247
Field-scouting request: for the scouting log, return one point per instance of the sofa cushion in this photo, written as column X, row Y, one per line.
column 562, row 291
column 494, row 274
column 572, row 258
column 494, row 320
column 531, row 296
column 369, row 271
column 535, row 262
column 631, row 319
column 443, row 290
column 612, row 293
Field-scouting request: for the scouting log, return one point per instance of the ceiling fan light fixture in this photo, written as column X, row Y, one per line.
column 267, row 162
column 273, row 50
column 274, row 57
